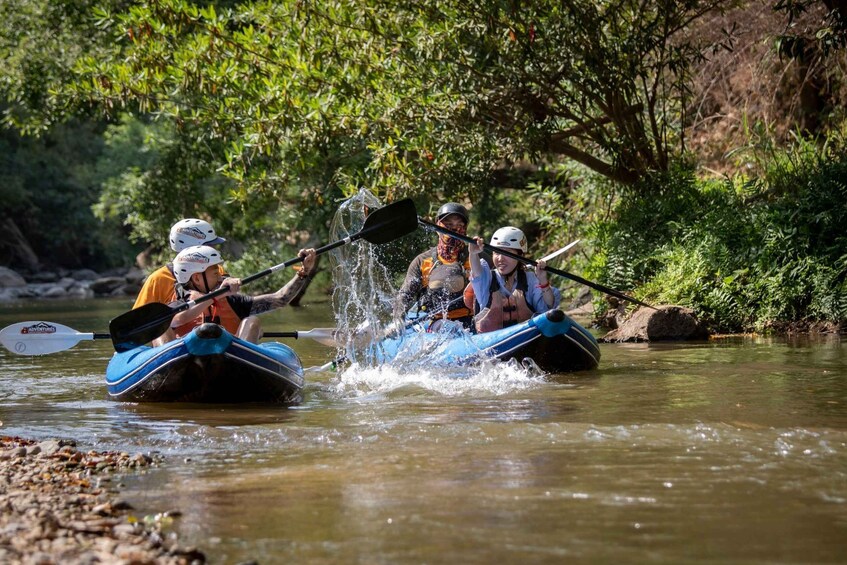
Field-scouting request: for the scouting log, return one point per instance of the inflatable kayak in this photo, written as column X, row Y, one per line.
column 207, row 365
column 553, row 340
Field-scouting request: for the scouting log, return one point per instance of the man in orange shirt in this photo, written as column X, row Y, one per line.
column 160, row 286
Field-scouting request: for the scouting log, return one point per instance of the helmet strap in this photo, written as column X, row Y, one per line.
column 206, row 283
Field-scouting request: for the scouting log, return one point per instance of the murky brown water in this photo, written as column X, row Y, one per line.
column 727, row 451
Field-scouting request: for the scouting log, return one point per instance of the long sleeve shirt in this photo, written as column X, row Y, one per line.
column 534, row 295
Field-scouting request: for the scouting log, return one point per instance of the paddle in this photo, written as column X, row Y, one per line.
column 528, row 261
column 559, row 251
column 42, row 338
column 148, row 322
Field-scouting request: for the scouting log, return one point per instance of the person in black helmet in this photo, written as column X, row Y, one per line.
column 437, row 277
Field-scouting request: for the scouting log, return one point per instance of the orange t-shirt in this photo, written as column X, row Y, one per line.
column 159, row 287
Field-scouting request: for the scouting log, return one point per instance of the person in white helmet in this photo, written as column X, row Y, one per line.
column 159, row 286
column 197, row 270
column 509, row 294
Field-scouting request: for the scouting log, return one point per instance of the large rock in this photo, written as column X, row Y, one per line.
column 106, row 285
column 43, row 277
column 666, row 323
column 583, row 298
column 136, row 276
column 9, row 278
column 55, row 292
column 84, row 275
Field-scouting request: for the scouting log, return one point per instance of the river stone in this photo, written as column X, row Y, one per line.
column 106, row 285
column 124, row 290
column 54, row 292
column 7, row 294
column 80, row 291
column 582, row 303
column 666, row 323
column 84, row 275
column 135, row 276
column 44, row 277
column 49, row 447
column 9, row 278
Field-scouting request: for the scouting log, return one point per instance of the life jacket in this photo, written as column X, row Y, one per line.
column 504, row 311
column 219, row 311
column 442, row 283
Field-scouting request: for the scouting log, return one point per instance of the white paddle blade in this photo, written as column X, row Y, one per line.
column 324, row 336
column 40, row 338
column 560, row 251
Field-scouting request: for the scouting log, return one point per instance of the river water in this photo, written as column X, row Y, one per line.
column 733, row 450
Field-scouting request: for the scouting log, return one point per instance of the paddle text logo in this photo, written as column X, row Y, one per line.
column 196, row 233
column 39, row 328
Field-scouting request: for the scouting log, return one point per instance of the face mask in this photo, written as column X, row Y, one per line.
column 449, row 247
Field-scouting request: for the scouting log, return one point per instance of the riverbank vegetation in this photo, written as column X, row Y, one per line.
column 696, row 147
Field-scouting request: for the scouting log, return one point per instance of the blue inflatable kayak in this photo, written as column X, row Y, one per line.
column 207, row 365
column 553, row 340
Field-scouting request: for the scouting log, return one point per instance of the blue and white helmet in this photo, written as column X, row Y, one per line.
column 192, row 231
column 510, row 238
column 195, row 259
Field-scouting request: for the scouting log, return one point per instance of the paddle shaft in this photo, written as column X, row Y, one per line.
column 275, row 268
column 528, row 261
column 292, row 334
column 328, row 247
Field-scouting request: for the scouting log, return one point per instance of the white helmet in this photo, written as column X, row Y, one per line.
column 509, row 238
column 195, row 259
column 192, row 231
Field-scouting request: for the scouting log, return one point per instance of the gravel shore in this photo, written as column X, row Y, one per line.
column 61, row 505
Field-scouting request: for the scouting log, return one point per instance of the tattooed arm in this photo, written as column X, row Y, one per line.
column 268, row 302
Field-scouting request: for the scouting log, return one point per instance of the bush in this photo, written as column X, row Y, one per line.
column 742, row 253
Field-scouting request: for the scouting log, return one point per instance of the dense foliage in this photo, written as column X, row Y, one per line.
column 747, row 254
column 566, row 118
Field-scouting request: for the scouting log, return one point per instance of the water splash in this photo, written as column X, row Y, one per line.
column 483, row 378
column 364, row 293
column 364, row 303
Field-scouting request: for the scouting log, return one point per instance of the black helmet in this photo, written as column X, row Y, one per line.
column 452, row 208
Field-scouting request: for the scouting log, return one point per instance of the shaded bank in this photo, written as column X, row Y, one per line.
column 64, row 283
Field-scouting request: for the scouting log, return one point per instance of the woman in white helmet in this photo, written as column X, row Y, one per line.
column 509, row 294
column 198, row 271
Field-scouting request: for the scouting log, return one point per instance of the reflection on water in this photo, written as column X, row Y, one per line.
column 734, row 450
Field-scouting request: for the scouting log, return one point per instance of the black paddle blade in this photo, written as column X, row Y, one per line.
column 390, row 222
column 140, row 326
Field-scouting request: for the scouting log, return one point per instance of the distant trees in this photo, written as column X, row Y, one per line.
column 406, row 97
column 269, row 112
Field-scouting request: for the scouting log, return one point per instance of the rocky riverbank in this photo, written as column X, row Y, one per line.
column 61, row 505
column 80, row 283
